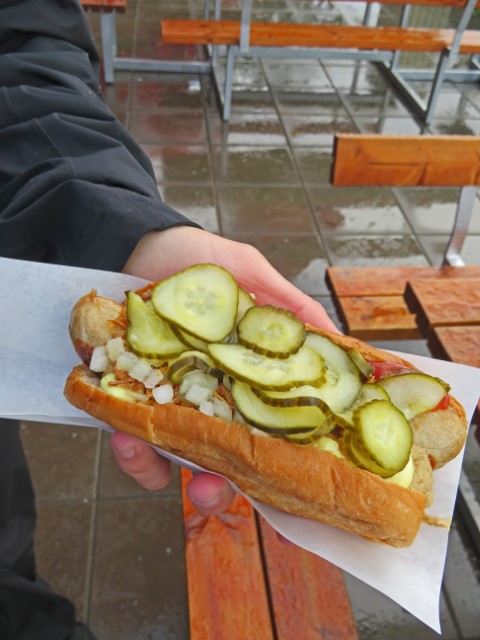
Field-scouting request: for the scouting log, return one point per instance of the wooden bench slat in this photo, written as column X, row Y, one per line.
column 443, row 303
column 309, row 597
column 266, row 34
column 226, row 585
column 104, row 5
column 458, row 344
column 406, row 161
column 378, row 318
column 387, row 281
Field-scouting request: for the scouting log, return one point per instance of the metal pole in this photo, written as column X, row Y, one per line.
column 466, row 200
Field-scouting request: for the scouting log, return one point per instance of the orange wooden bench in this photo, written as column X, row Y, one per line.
column 363, row 42
column 441, row 303
column 370, row 301
column 244, row 583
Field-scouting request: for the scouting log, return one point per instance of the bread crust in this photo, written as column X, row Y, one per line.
column 322, row 487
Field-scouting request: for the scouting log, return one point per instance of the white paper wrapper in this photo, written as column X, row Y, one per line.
column 36, row 357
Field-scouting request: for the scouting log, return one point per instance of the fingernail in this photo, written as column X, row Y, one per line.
column 207, row 503
column 124, row 452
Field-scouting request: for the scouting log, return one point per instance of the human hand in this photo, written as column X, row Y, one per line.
column 209, row 493
column 159, row 255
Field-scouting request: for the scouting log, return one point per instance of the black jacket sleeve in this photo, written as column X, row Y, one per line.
column 74, row 186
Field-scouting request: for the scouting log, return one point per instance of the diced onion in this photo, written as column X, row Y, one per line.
column 221, row 409
column 200, row 378
column 154, row 377
column 206, row 407
column 140, row 370
column 99, row 360
column 196, row 394
column 237, row 417
column 126, row 360
column 163, row 394
column 115, row 347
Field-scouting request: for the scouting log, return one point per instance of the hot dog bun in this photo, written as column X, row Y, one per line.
column 306, row 481
column 301, row 480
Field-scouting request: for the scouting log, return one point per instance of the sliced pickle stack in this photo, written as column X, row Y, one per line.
column 282, row 379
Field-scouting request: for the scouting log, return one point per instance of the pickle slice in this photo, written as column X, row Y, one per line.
column 368, row 392
column 245, row 302
column 303, row 396
column 271, row 331
column 358, row 455
column 147, row 334
column 190, row 360
column 262, row 372
column 343, row 384
column 274, row 420
column 189, row 340
column 385, row 433
column 201, row 300
column 315, row 434
column 365, row 368
column 329, row 444
column 414, row 393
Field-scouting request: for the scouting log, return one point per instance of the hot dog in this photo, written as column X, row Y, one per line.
column 315, row 423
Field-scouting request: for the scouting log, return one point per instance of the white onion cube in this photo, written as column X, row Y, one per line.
column 163, row 394
column 196, row 394
column 99, row 360
column 126, row 360
column 115, row 347
column 154, row 377
column 140, row 370
column 206, row 407
column 221, row 409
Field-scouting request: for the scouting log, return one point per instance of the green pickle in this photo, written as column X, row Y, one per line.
column 343, row 383
column 414, row 393
column 275, row 420
column 201, row 300
column 148, row 335
column 267, row 373
column 368, row 392
column 270, row 331
column 190, row 361
column 364, row 367
column 384, row 433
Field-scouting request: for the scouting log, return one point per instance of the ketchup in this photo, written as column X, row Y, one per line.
column 443, row 404
column 382, row 369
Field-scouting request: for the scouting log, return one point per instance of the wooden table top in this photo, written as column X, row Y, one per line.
column 444, row 303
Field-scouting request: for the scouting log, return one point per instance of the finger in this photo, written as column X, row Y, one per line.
column 141, row 462
column 210, row 494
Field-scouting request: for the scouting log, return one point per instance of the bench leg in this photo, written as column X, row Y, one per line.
column 437, row 85
column 227, row 98
column 107, row 23
column 466, row 200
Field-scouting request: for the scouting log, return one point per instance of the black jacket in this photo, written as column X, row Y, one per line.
column 74, row 186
